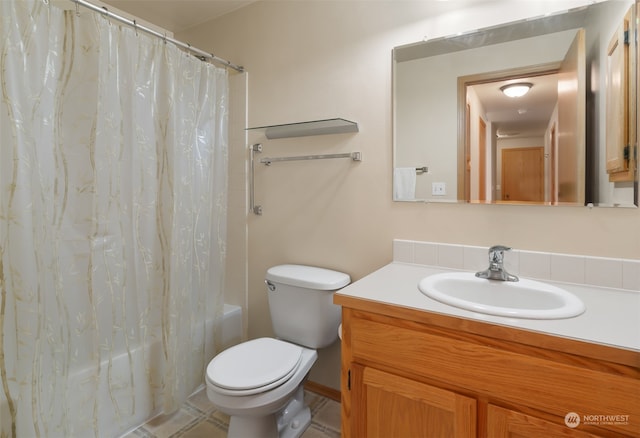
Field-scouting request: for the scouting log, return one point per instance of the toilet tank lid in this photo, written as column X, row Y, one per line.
column 309, row 277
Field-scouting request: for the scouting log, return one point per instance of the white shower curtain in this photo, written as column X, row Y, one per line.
column 113, row 156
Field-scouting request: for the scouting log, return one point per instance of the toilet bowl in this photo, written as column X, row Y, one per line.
column 256, row 403
column 259, row 383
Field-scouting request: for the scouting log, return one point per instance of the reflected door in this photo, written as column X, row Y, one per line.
column 523, row 174
column 571, row 127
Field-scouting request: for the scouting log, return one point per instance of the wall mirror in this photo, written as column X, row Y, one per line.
column 571, row 139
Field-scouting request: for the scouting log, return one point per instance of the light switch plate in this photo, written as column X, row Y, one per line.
column 438, row 189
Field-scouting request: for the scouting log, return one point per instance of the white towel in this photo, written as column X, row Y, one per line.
column 404, row 183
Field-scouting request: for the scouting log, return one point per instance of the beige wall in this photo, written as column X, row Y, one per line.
column 322, row 59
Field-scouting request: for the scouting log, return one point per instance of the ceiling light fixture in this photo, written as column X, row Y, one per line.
column 516, row 90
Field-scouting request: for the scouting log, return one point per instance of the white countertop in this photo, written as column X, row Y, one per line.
column 612, row 317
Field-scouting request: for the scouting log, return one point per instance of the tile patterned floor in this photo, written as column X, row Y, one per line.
column 198, row 419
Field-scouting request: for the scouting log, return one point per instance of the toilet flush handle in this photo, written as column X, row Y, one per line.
column 271, row 286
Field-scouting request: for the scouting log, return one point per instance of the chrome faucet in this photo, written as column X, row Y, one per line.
column 496, row 269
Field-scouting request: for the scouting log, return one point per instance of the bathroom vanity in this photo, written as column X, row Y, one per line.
column 414, row 367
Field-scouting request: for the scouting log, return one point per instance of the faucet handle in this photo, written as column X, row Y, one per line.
column 496, row 269
column 499, row 248
column 496, row 253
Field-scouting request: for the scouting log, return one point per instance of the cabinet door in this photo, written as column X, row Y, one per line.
column 385, row 405
column 503, row 423
column 618, row 117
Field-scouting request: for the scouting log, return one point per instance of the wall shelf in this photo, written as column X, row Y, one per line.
column 302, row 129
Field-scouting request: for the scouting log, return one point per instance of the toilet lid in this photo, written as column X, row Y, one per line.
column 255, row 365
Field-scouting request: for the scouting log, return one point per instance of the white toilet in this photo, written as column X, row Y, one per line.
column 259, row 382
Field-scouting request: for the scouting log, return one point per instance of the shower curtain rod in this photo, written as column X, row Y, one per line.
column 199, row 53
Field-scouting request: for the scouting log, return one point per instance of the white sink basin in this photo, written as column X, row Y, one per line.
column 521, row 299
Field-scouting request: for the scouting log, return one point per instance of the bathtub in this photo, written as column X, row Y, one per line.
column 87, row 412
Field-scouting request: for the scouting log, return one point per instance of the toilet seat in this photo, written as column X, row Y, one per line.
column 254, row 366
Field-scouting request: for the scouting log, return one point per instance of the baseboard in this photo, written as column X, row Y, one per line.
column 322, row 390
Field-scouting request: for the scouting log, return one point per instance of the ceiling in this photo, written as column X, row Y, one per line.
column 177, row 15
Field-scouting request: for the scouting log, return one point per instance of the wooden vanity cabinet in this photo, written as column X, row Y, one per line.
column 389, row 405
column 409, row 373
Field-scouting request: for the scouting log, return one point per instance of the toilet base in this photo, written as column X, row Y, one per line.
column 289, row 422
column 298, row 425
column 242, row 427
column 294, row 419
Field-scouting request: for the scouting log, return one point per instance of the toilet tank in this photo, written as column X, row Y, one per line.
column 301, row 304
